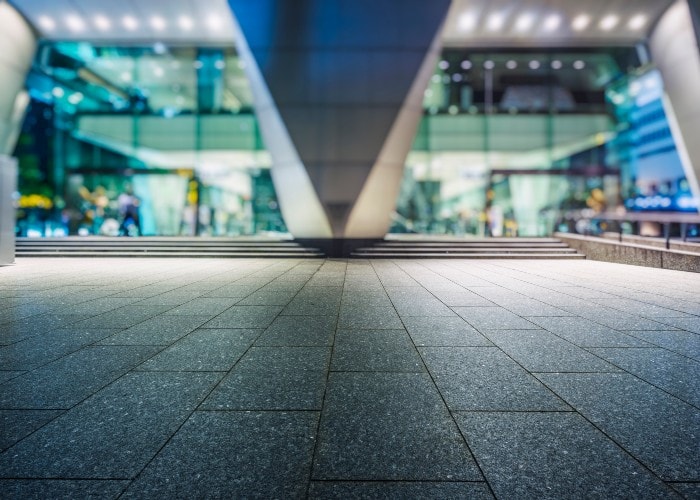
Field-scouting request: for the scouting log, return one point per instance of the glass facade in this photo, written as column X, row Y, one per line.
column 163, row 141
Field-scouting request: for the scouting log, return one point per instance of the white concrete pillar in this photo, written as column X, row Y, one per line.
column 674, row 51
column 338, row 89
column 8, row 186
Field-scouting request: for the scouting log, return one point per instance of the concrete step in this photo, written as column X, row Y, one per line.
column 468, row 248
column 162, row 247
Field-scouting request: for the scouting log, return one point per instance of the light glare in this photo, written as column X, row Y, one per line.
column 524, row 22
column 185, row 23
column 130, row 23
column 102, row 23
column 158, row 23
column 637, row 22
column 47, row 23
column 609, row 22
column 495, row 22
column 467, row 21
column 581, row 22
column 552, row 22
column 75, row 23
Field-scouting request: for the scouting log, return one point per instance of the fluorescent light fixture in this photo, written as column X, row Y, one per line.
column 75, row 23
column 637, row 22
column 511, row 64
column 552, row 22
column 46, row 23
column 495, row 21
column 102, row 23
column 609, row 22
column 466, row 22
column 524, row 22
column 580, row 22
column 556, row 64
column 579, row 64
column 158, row 23
column 534, row 64
column 214, row 22
column 185, row 23
column 130, row 23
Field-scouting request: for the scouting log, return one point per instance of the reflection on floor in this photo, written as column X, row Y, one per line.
column 293, row 378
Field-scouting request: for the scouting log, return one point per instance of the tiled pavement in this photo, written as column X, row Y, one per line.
column 147, row 378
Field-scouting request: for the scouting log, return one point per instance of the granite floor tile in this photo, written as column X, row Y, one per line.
column 202, row 307
column 377, row 298
column 272, row 457
column 493, row 318
column 307, row 305
column 530, row 307
column 553, row 455
column 656, row 428
column 285, row 359
column 36, row 325
column 484, row 378
column 644, row 309
column 160, row 330
column 69, row 380
column 269, row 389
column 245, row 317
column 375, row 351
column 123, row 317
column 204, row 350
column 676, row 374
column 586, row 333
column 687, row 490
column 389, row 426
column 62, row 488
column 443, row 331
column 112, row 435
column 41, row 349
column 369, row 318
column 455, row 298
column 7, row 374
column 416, row 301
column 679, row 341
column 541, row 351
column 299, row 331
column 17, row 424
column 398, row 490
column 264, row 297
column 691, row 324
column 618, row 320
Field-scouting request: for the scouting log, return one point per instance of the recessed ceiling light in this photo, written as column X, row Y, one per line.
column 58, row 92
column 219, row 64
column 158, row 23
column 457, row 77
column 46, row 23
column 489, row 64
column 443, row 65
column 556, row 64
column 126, row 76
column 159, row 48
column 130, row 23
column 158, row 71
column 466, row 64
column 102, row 23
column 495, row 22
column 511, row 64
column 75, row 23
column 524, row 22
column 214, row 22
column 534, row 64
column 637, row 22
column 552, row 22
column 580, row 22
column 185, row 22
column 579, row 64
column 609, row 22
column 466, row 21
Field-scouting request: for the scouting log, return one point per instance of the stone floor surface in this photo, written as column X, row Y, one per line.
column 174, row 378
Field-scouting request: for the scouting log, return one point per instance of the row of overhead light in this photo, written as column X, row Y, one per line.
column 77, row 24
column 511, row 64
column 527, row 21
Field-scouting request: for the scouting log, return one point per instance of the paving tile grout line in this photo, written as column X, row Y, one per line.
column 447, row 408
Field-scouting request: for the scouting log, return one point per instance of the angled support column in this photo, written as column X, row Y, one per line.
column 338, row 89
column 674, row 50
column 18, row 44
